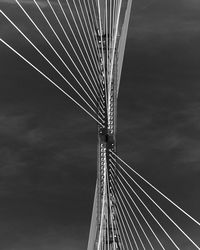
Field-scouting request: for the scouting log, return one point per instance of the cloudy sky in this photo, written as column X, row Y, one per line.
column 48, row 146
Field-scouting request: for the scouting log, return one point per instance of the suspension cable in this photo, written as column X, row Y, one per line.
column 92, row 29
column 106, row 30
column 107, row 217
column 46, row 59
column 103, row 57
column 148, row 209
column 95, row 27
column 119, row 232
column 111, row 215
column 95, row 15
column 120, row 220
column 83, row 43
column 112, row 164
column 198, row 223
column 77, row 11
column 134, row 217
column 75, row 38
column 68, row 39
column 97, row 47
column 121, row 209
column 42, row 34
column 110, row 26
column 113, row 19
column 86, row 25
column 98, row 27
column 120, row 198
column 175, row 224
column 92, row 51
column 97, row 56
column 102, row 210
column 39, row 71
column 115, row 39
column 42, row 13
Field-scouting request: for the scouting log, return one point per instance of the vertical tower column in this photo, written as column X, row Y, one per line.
column 104, row 230
column 107, row 141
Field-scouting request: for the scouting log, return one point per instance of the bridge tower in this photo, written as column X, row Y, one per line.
column 111, row 33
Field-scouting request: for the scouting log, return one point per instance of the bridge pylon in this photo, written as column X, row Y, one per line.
column 111, row 33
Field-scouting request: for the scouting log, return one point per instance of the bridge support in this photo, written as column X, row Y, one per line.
column 104, row 230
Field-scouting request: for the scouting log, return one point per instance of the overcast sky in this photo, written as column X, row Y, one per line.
column 48, row 146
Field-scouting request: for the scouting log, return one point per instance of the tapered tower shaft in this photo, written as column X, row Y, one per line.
column 111, row 34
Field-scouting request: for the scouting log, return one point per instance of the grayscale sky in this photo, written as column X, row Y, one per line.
column 48, row 146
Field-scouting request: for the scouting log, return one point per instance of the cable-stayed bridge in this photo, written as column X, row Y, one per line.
column 128, row 211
